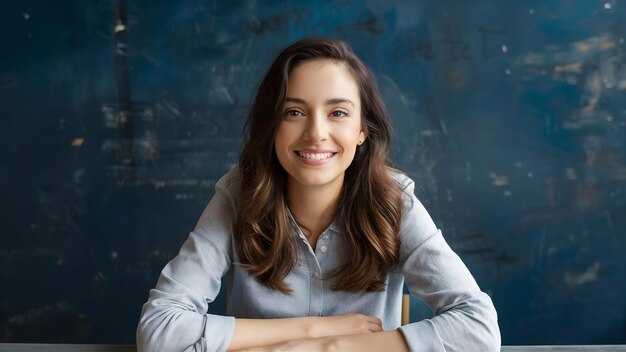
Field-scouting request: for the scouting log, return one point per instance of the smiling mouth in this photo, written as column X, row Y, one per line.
column 315, row 156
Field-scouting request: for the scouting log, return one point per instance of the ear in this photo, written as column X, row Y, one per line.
column 362, row 136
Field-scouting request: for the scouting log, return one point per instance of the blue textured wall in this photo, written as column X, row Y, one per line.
column 510, row 116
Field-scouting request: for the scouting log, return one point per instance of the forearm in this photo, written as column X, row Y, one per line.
column 380, row 341
column 251, row 333
column 262, row 332
column 375, row 342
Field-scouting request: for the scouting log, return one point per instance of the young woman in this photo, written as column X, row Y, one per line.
column 317, row 233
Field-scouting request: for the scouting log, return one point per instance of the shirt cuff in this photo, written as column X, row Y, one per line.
column 218, row 331
column 422, row 336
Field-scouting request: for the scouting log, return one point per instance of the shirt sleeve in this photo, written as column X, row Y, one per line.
column 175, row 317
column 465, row 318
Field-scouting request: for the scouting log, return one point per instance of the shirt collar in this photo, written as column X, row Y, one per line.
column 335, row 227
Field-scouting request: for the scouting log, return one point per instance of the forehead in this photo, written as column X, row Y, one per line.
column 323, row 79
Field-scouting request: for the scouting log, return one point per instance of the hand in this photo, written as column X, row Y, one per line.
column 347, row 324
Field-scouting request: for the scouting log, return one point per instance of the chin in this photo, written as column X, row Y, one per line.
column 315, row 180
column 312, row 181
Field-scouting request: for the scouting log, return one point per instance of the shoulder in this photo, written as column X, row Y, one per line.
column 405, row 184
column 416, row 224
column 229, row 185
column 404, row 181
column 220, row 212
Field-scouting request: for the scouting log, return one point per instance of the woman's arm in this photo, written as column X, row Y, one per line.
column 262, row 332
column 465, row 318
column 175, row 316
column 375, row 342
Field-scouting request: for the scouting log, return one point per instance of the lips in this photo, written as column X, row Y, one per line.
column 315, row 156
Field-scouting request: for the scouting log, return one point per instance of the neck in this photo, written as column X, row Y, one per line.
column 313, row 208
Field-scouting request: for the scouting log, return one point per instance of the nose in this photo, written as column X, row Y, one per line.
column 316, row 128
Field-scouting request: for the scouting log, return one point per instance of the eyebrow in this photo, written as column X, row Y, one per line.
column 332, row 101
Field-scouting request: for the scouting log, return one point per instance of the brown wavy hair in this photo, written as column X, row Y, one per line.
column 369, row 205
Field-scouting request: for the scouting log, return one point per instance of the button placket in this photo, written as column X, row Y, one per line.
column 323, row 242
column 317, row 292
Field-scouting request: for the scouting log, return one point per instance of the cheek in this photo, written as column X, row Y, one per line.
column 351, row 136
column 283, row 139
column 280, row 138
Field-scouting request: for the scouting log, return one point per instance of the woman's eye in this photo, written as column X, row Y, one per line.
column 339, row 113
column 293, row 113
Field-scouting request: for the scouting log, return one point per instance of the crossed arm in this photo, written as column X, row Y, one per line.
column 347, row 332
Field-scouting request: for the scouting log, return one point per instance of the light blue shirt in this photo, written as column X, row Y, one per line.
column 175, row 317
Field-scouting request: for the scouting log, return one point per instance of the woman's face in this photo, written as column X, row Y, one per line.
column 320, row 127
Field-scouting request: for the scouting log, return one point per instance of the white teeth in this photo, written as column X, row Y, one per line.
column 316, row 156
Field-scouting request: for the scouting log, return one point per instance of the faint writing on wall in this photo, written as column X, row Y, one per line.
column 454, row 49
column 279, row 22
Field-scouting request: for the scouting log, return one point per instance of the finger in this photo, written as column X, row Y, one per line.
column 375, row 328
column 375, row 320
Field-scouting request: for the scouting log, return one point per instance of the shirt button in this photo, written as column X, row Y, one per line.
column 325, row 237
column 324, row 249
